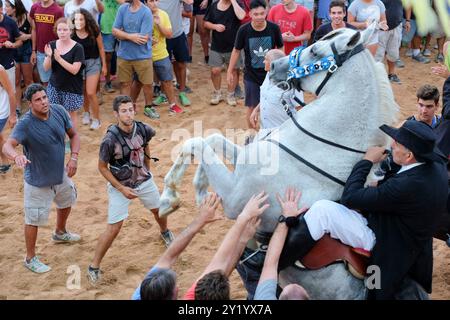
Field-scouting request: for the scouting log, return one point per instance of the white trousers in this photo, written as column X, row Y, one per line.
column 341, row 223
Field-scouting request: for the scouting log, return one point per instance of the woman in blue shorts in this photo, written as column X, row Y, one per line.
column 87, row 33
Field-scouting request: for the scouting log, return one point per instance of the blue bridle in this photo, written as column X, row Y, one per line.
column 297, row 70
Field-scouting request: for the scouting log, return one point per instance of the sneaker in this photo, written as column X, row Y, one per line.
column 36, row 265
column 426, row 52
column 160, row 100
column 394, row 78
column 95, row 125
column 231, row 99
column 186, row 89
column 86, row 119
column 184, row 99
column 65, row 237
column 175, row 109
column 94, row 274
column 439, row 58
column 238, row 92
column 420, row 58
column 409, row 52
column 108, row 88
column 216, row 97
column 168, row 237
column 399, row 63
column 151, row 112
column 5, row 168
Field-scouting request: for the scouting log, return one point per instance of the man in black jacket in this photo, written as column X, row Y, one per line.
column 400, row 214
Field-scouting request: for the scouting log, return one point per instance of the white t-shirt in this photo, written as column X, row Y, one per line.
column 272, row 112
column 4, row 103
column 90, row 5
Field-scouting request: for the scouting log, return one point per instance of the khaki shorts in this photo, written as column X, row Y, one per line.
column 218, row 59
column 147, row 192
column 38, row 200
column 389, row 43
column 143, row 69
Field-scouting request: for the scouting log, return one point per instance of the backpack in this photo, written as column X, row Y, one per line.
column 139, row 128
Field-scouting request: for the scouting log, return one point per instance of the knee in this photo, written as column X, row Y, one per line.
column 321, row 207
column 114, row 229
column 216, row 72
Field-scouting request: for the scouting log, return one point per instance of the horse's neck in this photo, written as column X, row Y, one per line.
column 349, row 107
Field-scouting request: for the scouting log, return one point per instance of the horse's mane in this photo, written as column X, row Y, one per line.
column 388, row 106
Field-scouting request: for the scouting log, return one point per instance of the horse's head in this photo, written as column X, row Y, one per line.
column 302, row 69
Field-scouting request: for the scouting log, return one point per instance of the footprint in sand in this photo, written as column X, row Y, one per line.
column 6, row 230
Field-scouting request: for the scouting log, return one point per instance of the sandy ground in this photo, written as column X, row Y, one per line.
column 138, row 245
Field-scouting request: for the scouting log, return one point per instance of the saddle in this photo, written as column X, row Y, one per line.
column 328, row 251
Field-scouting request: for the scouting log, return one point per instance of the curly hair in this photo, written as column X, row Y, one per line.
column 90, row 25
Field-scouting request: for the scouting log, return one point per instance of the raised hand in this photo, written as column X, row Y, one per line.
column 254, row 207
column 289, row 204
column 208, row 208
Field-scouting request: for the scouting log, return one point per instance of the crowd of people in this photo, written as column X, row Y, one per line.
column 69, row 49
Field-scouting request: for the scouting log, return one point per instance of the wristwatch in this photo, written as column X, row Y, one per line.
column 290, row 221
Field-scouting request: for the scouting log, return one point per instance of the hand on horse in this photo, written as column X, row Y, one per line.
column 250, row 229
column 289, row 204
column 254, row 207
column 208, row 209
column 375, row 154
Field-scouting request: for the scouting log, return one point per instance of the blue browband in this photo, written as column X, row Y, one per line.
column 297, row 71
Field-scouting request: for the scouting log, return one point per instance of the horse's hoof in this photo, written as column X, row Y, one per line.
column 165, row 209
column 169, row 202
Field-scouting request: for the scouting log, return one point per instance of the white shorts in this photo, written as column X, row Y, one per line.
column 341, row 223
column 389, row 43
column 38, row 200
column 118, row 205
column 11, row 72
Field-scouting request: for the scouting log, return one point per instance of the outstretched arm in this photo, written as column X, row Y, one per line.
column 235, row 240
column 207, row 214
column 290, row 209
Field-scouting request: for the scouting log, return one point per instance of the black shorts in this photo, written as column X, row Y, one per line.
column 178, row 48
column 196, row 11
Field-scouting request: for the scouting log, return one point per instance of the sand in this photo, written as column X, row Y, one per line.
column 138, row 245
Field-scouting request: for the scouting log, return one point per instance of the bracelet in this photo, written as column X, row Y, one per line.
column 407, row 20
column 74, row 159
column 74, row 152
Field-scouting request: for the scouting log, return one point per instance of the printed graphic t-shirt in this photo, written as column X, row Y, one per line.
column 297, row 22
column 44, row 19
column 255, row 45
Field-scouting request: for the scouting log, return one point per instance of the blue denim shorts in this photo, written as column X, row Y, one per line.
column 44, row 75
column 23, row 53
column 3, row 123
column 163, row 69
column 109, row 42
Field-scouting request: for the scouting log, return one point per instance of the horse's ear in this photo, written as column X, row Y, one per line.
column 368, row 32
column 354, row 40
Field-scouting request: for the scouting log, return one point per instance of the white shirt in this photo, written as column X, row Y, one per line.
column 272, row 112
column 90, row 5
column 4, row 103
column 409, row 166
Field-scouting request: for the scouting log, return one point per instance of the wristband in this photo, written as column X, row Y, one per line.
column 74, row 159
column 290, row 221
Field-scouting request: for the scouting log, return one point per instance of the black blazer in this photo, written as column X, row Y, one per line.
column 403, row 211
column 443, row 129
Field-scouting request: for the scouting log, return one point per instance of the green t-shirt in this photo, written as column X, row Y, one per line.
column 108, row 16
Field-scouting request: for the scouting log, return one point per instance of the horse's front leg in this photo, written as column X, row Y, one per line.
column 222, row 146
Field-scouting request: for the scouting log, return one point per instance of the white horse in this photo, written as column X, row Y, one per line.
column 355, row 100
